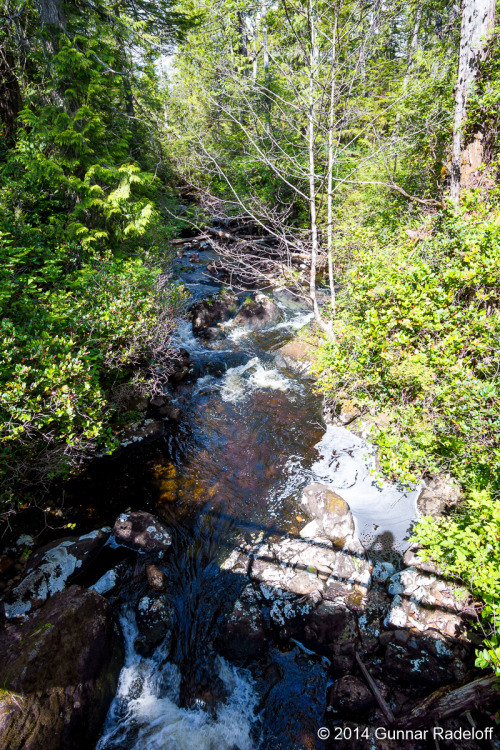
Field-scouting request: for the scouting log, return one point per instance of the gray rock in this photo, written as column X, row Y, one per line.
column 332, row 631
column 51, row 568
column 149, row 430
column 154, row 616
column 350, row 695
column 243, row 635
column 209, row 312
column 312, row 567
column 257, row 313
column 296, row 355
column 440, row 494
column 415, row 667
column 426, row 602
column 56, row 691
column 330, row 511
column 412, row 559
column 142, row 532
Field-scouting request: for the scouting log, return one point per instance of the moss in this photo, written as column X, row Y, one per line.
column 336, row 504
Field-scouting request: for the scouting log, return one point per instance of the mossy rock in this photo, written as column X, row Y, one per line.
column 59, row 673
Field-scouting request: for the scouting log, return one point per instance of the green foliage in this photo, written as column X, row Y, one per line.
column 83, row 228
column 416, row 334
column 467, row 546
column 69, row 337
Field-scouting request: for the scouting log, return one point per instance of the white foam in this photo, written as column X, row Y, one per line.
column 239, row 382
column 298, row 321
column 145, row 714
column 347, row 464
column 294, row 323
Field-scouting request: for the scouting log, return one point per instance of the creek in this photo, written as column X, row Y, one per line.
column 251, row 437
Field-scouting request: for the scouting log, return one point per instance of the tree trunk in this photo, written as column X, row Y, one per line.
column 478, row 18
column 10, row 96
column 330, row 168
column 265, row 45
column 52, row 13
column 313, row 62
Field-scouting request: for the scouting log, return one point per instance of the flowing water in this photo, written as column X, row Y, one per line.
column 250, row 438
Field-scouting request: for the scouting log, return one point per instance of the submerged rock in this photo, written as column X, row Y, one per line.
column 59, row 673
column 142, row 532
column 257, row 313
column 51, row 568
column 296, row 355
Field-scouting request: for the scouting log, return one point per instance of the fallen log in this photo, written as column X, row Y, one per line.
column 234, row 237
column 448, row 702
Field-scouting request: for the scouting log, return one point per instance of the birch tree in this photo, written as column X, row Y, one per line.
column 478, row 18
column 309, row 131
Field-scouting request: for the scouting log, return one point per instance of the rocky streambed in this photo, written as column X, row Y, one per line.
column 245, row 576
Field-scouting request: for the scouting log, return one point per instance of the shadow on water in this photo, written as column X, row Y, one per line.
column 183, row 695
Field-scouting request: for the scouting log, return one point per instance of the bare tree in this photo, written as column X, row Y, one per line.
column 311, row 72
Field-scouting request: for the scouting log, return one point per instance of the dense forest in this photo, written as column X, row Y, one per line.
column 354, row 144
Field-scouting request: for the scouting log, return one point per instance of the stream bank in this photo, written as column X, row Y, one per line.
column 250, row 555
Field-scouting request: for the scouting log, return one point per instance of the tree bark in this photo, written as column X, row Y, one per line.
column 446, row 702
column 313, row 62
column 329, row 230
column 52, row 13
column 10, row 96
column 478, row 18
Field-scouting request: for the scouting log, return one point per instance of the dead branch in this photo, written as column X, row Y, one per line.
column 376, row 692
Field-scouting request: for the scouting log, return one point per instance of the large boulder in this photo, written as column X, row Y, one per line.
column 257, row 313
column 59, row 673
column 243, row 635
column 51, row 568
column 207, row 313
column 350, row 695
column 141, row 532
column 330, row 511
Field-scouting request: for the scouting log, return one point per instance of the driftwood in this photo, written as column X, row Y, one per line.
column 447, row 702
